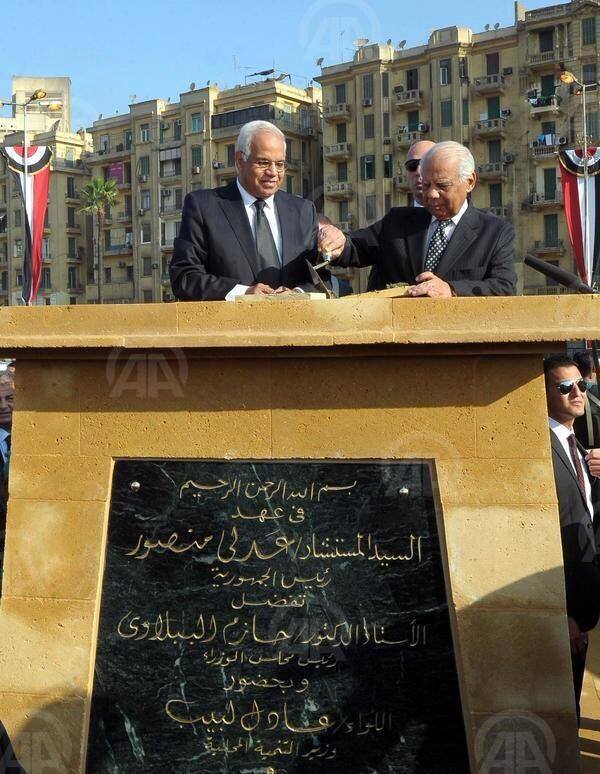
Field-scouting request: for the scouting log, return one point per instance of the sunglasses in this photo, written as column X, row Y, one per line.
column 567, row 385
column 412, row 165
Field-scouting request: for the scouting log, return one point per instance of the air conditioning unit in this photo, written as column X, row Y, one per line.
column 196, row 170
column 310, row 131
column 507, row 71
column 563, row 140
column 367, row 103
column 423, row 127
column 399, row 89
column 217, row 164
column 387, row 140
column 402, row 129
column 508, row 158
column 143, row 178
column 141, row 211
column 155, row 266
column 166, row 193
column 506, row 112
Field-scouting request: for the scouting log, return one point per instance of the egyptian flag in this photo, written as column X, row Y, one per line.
column 573, row 186
column 34, row 192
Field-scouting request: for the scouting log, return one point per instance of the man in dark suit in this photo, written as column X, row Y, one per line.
column 447, row 248
column 246, row 238
column 577, row 487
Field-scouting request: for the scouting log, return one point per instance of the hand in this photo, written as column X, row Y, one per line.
column 259, row 290
column 331, row 240
column 593, row 462
column 429, row 285
column 577, row 638
column 283, row 289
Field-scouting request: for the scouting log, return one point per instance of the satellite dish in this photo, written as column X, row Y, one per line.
column 320, row 61
column 486, row 28
column 360, row 42
column 192, row 86
column 497, row 26
column 100, row 117
column 401, row 44
column 389, row 41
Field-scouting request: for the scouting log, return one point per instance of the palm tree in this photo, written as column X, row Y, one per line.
column 96, row 197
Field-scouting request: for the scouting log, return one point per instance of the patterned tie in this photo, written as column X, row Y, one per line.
column 436, row 248
column 577, row 464
column 268, row 257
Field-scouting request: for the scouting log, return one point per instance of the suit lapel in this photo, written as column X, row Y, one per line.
column 235, row 212
column 558, row 448
column 286, row 228
column 464, row 234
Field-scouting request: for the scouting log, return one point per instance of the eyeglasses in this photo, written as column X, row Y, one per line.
column 567, row 385
column 412, row 165
column 280, row 166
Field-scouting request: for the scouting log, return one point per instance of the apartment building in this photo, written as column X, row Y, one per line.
column 64, row 246
column 497, row 91
column 159, row 151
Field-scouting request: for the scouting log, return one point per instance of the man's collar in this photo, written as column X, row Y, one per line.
column 248, row 199
column 458, row 216
column 562, row 431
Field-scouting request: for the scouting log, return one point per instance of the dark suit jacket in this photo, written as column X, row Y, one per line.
column 479, row 259
column 580, row 540
column 215, row 250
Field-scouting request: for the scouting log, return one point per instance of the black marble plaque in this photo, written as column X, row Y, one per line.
column 274, row 618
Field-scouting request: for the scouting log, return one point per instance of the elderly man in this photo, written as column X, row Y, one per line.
column 412, row 165
column 577, row 488
column 448, row 248
column 246, row 237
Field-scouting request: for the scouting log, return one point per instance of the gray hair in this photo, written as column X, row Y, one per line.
column 249, row 131
column 463, row 158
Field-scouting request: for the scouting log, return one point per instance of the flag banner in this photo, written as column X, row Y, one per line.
column 574, row 194
column 34, row 192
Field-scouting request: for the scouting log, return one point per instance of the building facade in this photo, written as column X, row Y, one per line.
column 160, row 151
column 497, row 92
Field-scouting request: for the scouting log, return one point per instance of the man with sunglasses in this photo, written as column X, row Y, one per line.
column 248, row 237
column 412, row 165
column 577, row 488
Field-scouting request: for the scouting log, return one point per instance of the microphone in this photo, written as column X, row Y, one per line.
column 561, row 276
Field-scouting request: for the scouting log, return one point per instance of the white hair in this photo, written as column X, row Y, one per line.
column 249, row 131
column 465, row 163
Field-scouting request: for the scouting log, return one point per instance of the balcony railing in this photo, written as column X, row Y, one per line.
column 489, row 84
column 541, row 105
column 339, row 190
column 548, row 246
column 406, row 139
column 341, row 150
column 401, row 182
column 501, row 211
column 167, row 209
column 546, row 198
column 545, row 57
column 494, row 171
column 543, row 151
column 490, row 127
column 407, row 98
column 338, row 112
column 127, row 247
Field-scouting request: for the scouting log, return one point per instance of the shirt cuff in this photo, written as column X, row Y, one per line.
column 237, row 290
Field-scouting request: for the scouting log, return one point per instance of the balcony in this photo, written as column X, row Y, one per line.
column 124, row 249
column 500, row 212
column 336, row 113
column 167, row 244
column 170, row 209
column 548, row 247
column 170, row 174
column 494, row 172
column 541, row 151
column 490, row 129
column 77, row 288
column 546, row 59
column 111, row 291
column 72, row 196
column 341, row 150
column 409, row 99
column 488, row 85
column 73, row 228
column 120, row 151
column 406, row 139
column 339, row 191
column 73, row 258
column 125, row 185
column 546, row 200
column 544, row 106
column 124, row 217
column 401, row 182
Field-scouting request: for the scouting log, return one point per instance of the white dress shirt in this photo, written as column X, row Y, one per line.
column 273, row 221
column 449, row 228
column 563, row 433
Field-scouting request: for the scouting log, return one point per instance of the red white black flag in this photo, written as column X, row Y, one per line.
column 575, row 192
column 34, row 192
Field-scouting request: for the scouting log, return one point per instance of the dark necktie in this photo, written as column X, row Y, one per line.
column 268, row 258
column 577, row 463
column 437, row 245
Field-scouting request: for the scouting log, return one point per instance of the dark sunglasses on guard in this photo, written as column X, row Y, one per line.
column 412, row 165
column 567, row 385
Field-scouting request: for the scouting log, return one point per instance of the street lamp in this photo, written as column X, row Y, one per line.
column 568, row 78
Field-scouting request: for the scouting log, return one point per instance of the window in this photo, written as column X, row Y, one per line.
column 548, row 127
column 144, row 132
column 588, row 31
column 495, row 194
column 230, row 154
column 177, row 129
column 494, row 151
column 145, row 200
column 551, row 230
column 46, row 279
column 589, row 73
column 493, row 107
column 445, row 71
column 492, row 64
column 196, row 122
column 197, row 156
column 242, row 116
column 45, row 249
column 129, row 273
column 71, row 217
column 412, row 79
column 146, row 267
column 388, row 165
column 367, row 85
column 17, row 218
column 4, row 280
column 547, row 86
column 387, row 202
column 72, row 277
column 369, row 126
column 18, row 248
column 591, row 124
column 342, row 171
column 104, row 143
column 145, row 233
column 446, row 112
column 386, row 124
column 546, row 40
column 385, row 84
column 19, row 279
column 343, row 212
column 370, row 207
column 289, row 184
column 71, row 188
column 127, row 138
column 71, row 247
column 413, row 120
column 367, row 167
column 341, row 132
column 465, row 112
column 170, row 168
column 340, row 93
column 550, row 183
column 108, row 275
column 144, row 165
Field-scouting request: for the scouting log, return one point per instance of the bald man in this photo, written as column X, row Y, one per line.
column 412, row 165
